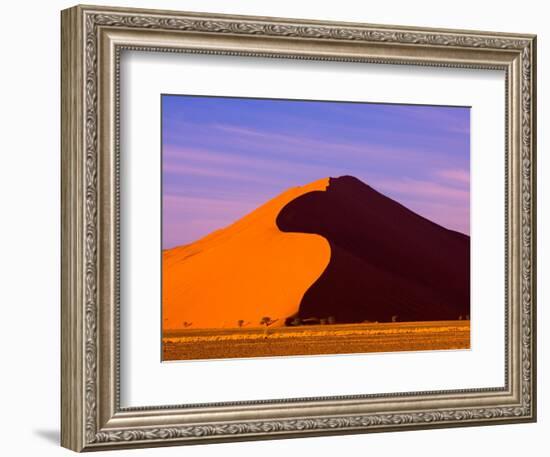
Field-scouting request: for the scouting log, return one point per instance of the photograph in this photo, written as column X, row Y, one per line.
column 309, row 227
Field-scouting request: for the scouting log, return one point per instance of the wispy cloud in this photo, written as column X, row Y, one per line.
column 301, row 146
column 419, row 188
column 178, row 157
column 304, row 145
column 200, row 204
column 204, row 171
column 457, row 175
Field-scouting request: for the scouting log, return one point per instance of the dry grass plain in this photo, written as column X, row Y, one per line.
column 195, row 344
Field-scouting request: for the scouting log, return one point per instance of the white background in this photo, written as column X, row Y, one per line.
column 29, row 245
column 146, row 75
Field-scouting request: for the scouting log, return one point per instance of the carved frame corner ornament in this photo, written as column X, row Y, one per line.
column 92, row 40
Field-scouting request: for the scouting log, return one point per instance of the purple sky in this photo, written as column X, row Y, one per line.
column 223, row 157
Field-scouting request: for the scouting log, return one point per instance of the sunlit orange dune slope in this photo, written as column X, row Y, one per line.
column 242, row 273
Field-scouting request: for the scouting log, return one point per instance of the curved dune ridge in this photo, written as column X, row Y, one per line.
column 242, row 273
column 387, row 262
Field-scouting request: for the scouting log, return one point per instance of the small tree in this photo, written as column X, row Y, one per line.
column 240, row 322
column 267, row 321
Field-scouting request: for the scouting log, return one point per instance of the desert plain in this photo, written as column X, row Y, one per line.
column 193, row 344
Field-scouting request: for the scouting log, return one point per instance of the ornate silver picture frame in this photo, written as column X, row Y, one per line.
column 93, row 40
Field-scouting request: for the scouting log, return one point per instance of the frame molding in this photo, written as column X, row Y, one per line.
column 92, row 40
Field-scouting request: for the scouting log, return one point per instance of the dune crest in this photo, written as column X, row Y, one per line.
column 242, row 273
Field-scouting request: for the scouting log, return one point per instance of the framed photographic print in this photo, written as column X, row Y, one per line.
column 280, row 228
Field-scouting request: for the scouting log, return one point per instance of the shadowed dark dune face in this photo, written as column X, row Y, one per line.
column 385, row 260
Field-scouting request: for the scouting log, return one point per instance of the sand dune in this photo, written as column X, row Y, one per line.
column 246, row 271
column 335, row 249
column 386, row 261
